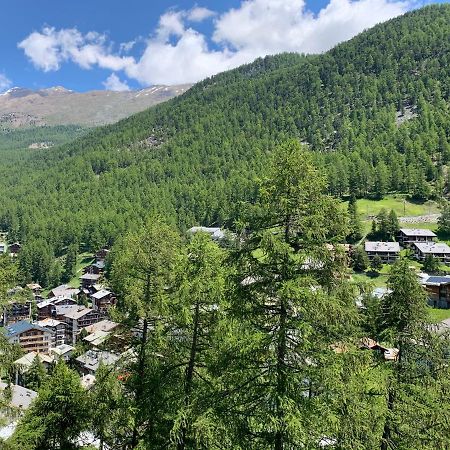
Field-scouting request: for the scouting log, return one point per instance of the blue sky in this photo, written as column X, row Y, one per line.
column 118, row 44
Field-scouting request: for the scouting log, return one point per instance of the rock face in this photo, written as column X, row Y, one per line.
column 20, row 107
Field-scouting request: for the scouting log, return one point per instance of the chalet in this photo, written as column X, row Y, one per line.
column 90, row 361
column 102, row 254
column 63, row 351
column 35, row 288
column 14, row 248
column 438, row 250
column 96, row 268
column 3, row 248
column 48, row 308
column 103, row 300
column 438, row 290
column 88, row 280
column 31, row 337
column 64, row 291
column 24, row 363
column 57, row 328
column 15, row 312
column 217, row 234
column 408, row 236
column 387, row 251
column 78, row 319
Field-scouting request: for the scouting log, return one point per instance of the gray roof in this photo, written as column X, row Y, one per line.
column 21, row 327
column 21, row 398
column 65, row 291
column 417, row 232
column 100, row 294
column 92, row 359
column 90, row 276
column 436, row 281
column 390, row 247
column 78, row 313
column 216, row 233
column 433, row 247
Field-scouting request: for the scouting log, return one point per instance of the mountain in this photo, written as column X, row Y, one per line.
column 375, row 110
column 20, row 107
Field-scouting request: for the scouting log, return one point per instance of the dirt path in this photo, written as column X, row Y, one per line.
column 428, row 218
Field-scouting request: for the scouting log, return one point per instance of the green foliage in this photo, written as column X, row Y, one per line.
column 343, row 103
column 444, row 219
column 35, row 375
column 360, row 261
column 376, row 264
column 431, row 264
column 56, row 417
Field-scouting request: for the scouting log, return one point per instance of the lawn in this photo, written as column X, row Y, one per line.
column 367, row 277
column 399, row 203
column 83, row 260
column 438, row 315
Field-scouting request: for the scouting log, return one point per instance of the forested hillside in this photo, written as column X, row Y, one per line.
column 375, row 110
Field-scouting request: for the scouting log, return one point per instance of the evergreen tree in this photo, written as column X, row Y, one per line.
column 57, row 416
column 444, row 219
column 394, row 225
column 35, row 375
column 360, row 261
column 355, row 225
column 70, row 262
column 431, row 264
column 376, row 264
column 284, row 292
column 143, row 276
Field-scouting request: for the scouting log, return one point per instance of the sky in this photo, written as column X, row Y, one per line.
column 131, row 44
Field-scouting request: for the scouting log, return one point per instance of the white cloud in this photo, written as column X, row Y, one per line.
column 50, row 48
column 114, row 83
column 199, row 14
column 5, row 82
column 177, row 53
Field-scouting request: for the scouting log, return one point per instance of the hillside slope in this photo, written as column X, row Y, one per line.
column 376, row 110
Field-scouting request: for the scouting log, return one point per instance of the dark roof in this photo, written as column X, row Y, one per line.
column 22, row 327
column 437, row 280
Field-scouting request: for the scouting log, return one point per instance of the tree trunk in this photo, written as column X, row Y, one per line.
column 190, row 375
column 386, row 439
column 141, row 365
column 281, row 378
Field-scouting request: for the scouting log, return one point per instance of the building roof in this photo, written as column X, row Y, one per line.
column 61, row 350
column 49, row 323
column 216, row 233
column 27, row 360
column 21, row 327
column 64, row 291
column 81, row 311
column 63, row 310
column 390, row 247
column 417, row 232
column 21, row 398
column 90, row 276
column 433, row 247
column 92, row 359
column 97, row 337
column 87, row 381
column 436, row 280
column 100, row 294
column 103, row 325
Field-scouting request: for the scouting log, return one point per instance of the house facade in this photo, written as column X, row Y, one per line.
column 438, row 250
column 438, row 290
column 58, row 330
column 387, row 251
column 408, row 236
column 29, row 336
column 77, row 319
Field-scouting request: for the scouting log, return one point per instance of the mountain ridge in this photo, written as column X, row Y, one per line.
column 60, row 106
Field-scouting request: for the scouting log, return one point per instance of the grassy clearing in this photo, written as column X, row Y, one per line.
column 368, row 277
column 399, row 203
column 83, row 260
column 438, row 315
